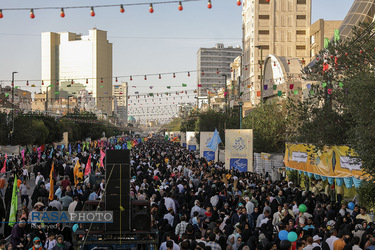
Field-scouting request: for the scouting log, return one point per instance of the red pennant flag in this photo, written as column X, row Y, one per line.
column 291, row 86
column 88, row 166
column 4, row 169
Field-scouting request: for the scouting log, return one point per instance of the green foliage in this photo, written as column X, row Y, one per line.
column 40, row 131
column 269, row 123
column 209, row 120
column 366, row 195
column 4, row 129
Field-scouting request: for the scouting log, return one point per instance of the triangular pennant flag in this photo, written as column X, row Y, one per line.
column 258, row 93
column 324, row 84
column 56, row 93
column 308, row 86
column 274, row 87
column 296, row 92
column 69, row 86
column 311, row 92
column 6, row 94
column 33, row 85
column 184, row 85
column 340, row 83
column 329, row 91
column 265, row 86
column 199, row 85
column 168, row 87
column 101, row 87
column 151, row 94
column 16, row 87
column 279, row 93
column 291, row 86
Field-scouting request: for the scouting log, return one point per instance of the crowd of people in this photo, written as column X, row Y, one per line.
column 194, row 204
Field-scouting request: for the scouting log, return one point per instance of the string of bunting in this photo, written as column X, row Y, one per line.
column 121, row 7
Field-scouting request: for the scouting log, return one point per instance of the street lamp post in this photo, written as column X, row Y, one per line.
column 261, row 73
column 13, row 73
column 226, row 94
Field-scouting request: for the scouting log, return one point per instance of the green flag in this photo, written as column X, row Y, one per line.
column 341, row 84
column 57, row 92
column 16, row 87
column 129, row 145
column 13, row 205
column 6, row 94
column 326, row 43
column 274, row 87
column 50, row 86
column 27, row 150
column 168, row 87
column 296, row 92
column 337, row 35
column 69, row 86
column 324, row 84
column 279, row 93
column 184, row 85
column 311, row 92
column 101, row 86
column 151, row 94
column 166, row 138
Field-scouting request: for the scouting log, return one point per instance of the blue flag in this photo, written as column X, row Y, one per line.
column 215, row 140
column 79, row 148
column 50, row 156
column 70, row 149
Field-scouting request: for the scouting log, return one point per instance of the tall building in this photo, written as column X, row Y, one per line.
column 213, row 63
column 73, row 62
column 318, row 31
column 120, row 94
column 361, row 11
column 272, row 27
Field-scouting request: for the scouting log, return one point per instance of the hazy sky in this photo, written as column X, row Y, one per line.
column 143, row 43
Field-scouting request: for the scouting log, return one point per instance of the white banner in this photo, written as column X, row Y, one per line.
column 205, row 138
column 191, row 141
column 183, row 139
column 239, row 149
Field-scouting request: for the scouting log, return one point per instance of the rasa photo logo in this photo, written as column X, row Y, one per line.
column 76, row 217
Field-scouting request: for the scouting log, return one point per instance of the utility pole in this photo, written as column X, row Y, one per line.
column 226, row 94
column 13, row 73
column 261, row 73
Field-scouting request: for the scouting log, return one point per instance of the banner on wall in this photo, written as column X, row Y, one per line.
column 334, row 161
column 205, row 138
column 175, row 136
column 191, row 141
column 183, row 139
column 239, row 149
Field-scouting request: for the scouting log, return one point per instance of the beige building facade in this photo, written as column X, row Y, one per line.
column 318, row 31
column 120, row 94
column 73, row 62
column 272, row 27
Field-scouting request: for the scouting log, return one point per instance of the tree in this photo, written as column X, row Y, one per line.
column 269, row 123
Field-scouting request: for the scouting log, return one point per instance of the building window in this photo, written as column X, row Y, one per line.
column 300, row 47
column 301, row 1
column 264, row 2
column 301, row 17
column 263, row 32
column 301, row 32
column 265, row 17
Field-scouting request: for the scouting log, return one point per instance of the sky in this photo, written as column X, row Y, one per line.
column 143, row 43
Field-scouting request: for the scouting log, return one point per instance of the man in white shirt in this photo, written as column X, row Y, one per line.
column 332, row 239
column 316, row 240
column 169, row 203
column 38, row 178
column 73, row 205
